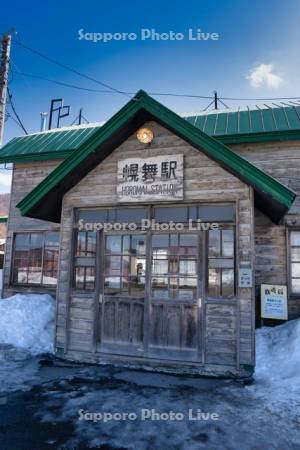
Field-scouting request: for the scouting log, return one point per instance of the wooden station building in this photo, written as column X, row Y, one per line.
column 155, row 233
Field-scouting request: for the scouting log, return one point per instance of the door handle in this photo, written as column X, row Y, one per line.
column 100, row 298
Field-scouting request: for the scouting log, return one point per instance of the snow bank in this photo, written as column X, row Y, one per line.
column 277, row 374
column 27, row 322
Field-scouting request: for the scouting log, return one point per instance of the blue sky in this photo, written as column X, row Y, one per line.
column 262, row 37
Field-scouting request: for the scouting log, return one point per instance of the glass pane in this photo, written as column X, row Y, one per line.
column 89, row 278
column 112, row 285
column 113, row 244
column 214, row 282
column 173, row 264
column 174, row 243
column 125, row 265
column 160, row 267
column 295, row 254
column 295, row 270
column 125, row 285
column 188, row 267
column 173, row 287
column 20, row 271
column 138, row 266
column 295, row 238
column 160, row 288
column 79, row 277
column 165, row 214
column 126, row 244
column 36, row 241
column 296, row 285
column 160, row 253
column 91, row 244
column 227, row 283
column 216, row 213
column 22, row 242
column 138, row 245
column 187, row 288
column 227, row 243
column 35, row 260
column 131, row 215
column 188, row 244
column 137, row 286
column 52, row 240
column 50, row 265
column 214, row 243
column 80, row 251
column 92, row 216
column 160, row 241
column 193, row 213
column 113, row 265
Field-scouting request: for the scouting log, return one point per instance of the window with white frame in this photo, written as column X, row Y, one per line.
column 294, row 241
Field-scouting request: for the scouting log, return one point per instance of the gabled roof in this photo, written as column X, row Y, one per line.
column 45, row 201
column 229, row 126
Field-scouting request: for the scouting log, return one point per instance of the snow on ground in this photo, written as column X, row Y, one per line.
column 27, row 322
column 26, row 330
column 262, row 415
column 277, row 373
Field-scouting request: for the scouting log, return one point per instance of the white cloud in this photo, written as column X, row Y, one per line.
column 263, row 75
column 5, row 180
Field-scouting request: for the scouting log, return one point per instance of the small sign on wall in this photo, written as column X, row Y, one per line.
column 274, row 302
column 245, row 278
column 158, row 178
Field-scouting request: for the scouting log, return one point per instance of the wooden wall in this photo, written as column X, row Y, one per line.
column 282, row 161
column 25, row 177
column 228, row 325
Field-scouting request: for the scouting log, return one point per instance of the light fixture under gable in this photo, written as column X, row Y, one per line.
column 145, row 135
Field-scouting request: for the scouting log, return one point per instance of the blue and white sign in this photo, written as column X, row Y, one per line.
column 274, row 302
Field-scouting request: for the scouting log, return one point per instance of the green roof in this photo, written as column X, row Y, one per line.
column 229, row 127
column 3, row 219
column 45, row 201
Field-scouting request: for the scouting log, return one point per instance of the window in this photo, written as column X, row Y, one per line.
column 295, row 262
column 125, row 265
column 174, row 266
column 35, row 259
column 221, row 263
column 85, row 261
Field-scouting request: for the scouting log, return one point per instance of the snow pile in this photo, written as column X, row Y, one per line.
column 277, row 374
column 27, row 322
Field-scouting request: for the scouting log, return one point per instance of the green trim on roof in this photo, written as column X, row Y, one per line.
column 263, row 183
column 248, row 126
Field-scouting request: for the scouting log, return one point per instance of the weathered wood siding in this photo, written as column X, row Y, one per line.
column 282, row 161
column 25, row 177
column 228, row 325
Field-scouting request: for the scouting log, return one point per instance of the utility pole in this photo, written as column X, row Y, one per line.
column 216, row 99
column 4, row 67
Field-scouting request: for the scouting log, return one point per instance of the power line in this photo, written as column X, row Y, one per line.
column 167, row 94
column 64, row 66
column 15, row 112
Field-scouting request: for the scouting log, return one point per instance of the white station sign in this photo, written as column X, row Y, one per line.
column 274, row 302
column 158, row 178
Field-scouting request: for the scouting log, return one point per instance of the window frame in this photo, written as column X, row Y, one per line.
column 40, row 285
column 289, row 230
column 222, row 226
column 75, row 265
column 150, row 208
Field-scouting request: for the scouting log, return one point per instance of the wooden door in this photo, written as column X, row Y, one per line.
column 175, row 286
column 122, row 293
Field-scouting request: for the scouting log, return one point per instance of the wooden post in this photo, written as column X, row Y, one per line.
column 5, row 54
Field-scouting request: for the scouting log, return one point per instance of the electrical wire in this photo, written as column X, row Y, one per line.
column 167, row 94
column 64, row 66
column 15, row 112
